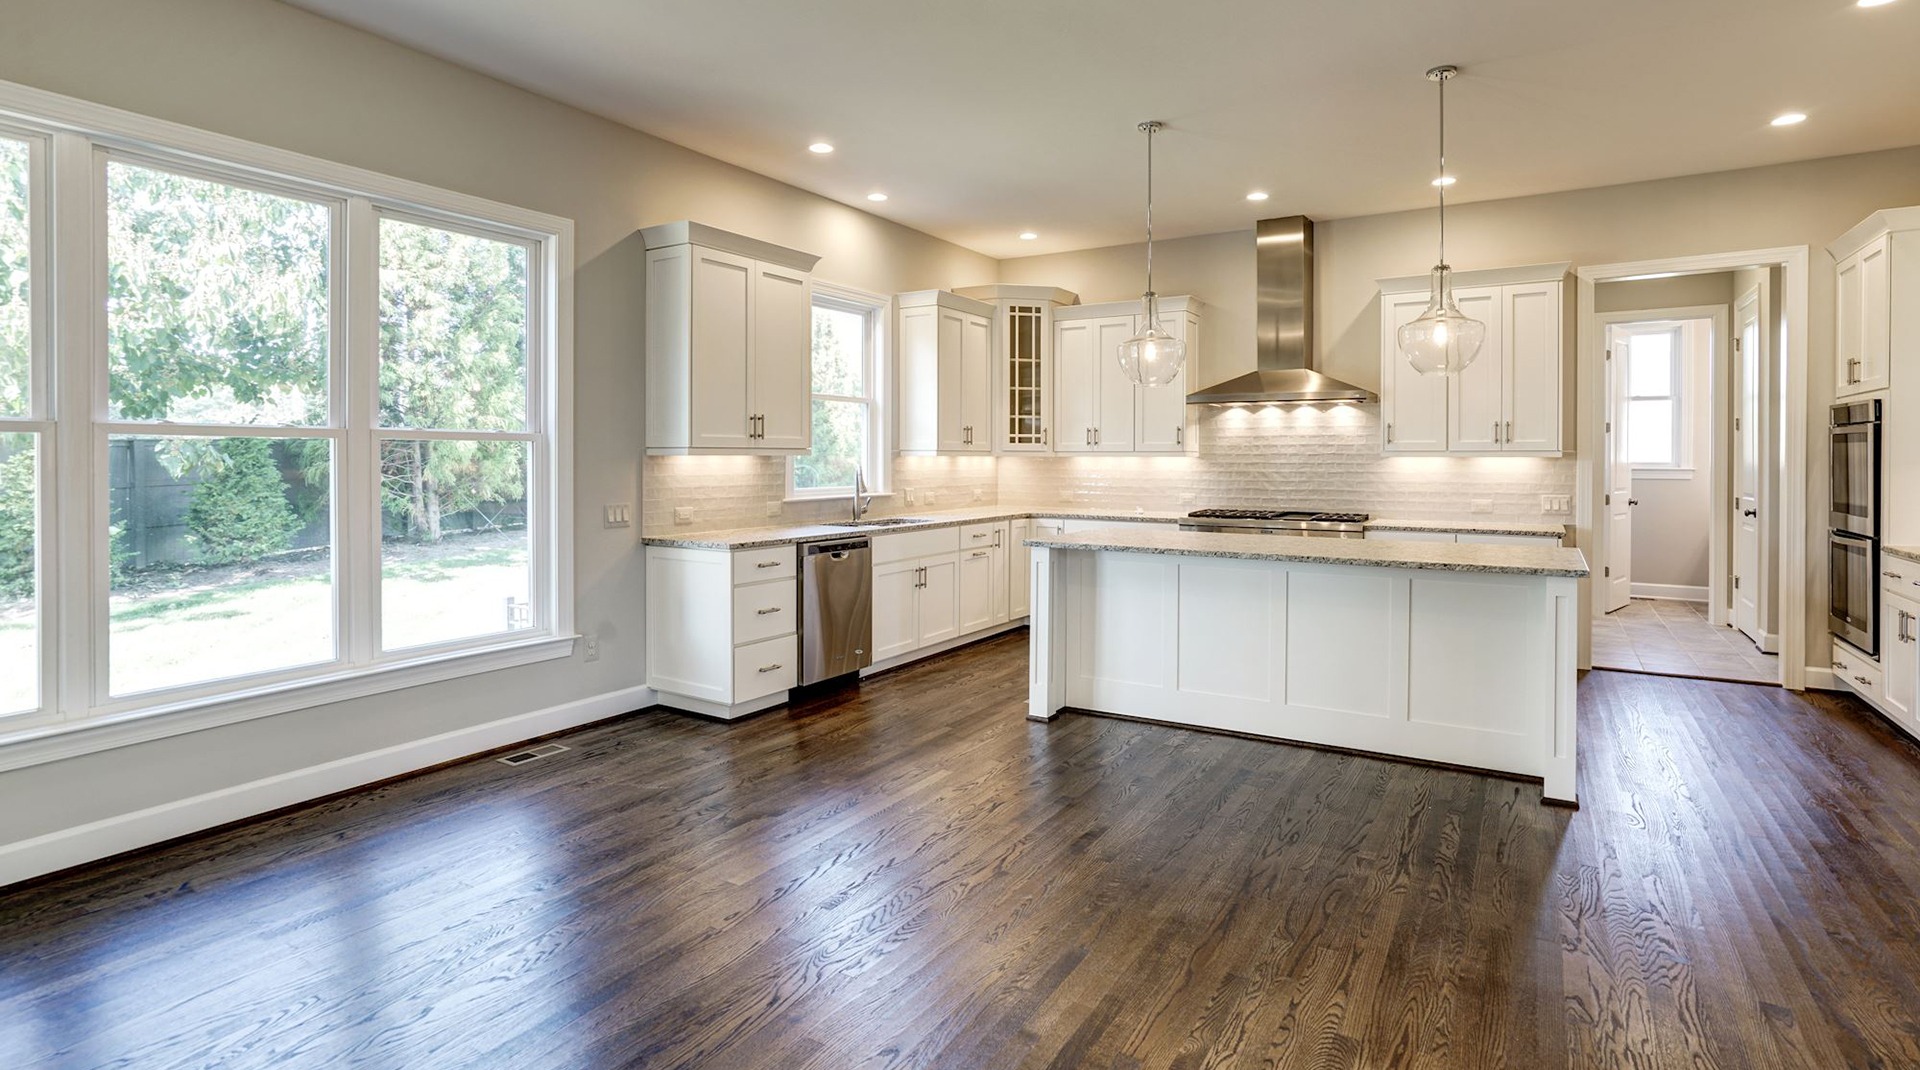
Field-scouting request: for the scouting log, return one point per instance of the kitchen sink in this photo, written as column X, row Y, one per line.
column 877, row 522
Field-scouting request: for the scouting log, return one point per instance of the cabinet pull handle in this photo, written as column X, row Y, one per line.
column 1509, row 432
column 764, row 612
column 978, row 553
column 1180, row 435
column 1089, row 436
column 770, row 668
column 1496, row 432
column 1840, row 665
column 1389, row 431
column 1043, row 436
column 979, row 535
column 768, row 564
column 1890, row 574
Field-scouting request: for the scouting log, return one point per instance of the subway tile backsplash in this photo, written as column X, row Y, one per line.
column 1305, row 456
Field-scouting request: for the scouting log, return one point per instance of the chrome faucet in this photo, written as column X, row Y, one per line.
column 860, row 504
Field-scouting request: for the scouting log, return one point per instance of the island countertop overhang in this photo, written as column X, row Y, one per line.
column 1489, row 558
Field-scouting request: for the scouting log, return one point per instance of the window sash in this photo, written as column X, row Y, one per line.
column 71, row 143
column 1677, row 427
column 873, row 309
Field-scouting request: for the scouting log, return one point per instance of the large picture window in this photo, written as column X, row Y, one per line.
column 306, row 428
column 848, row 425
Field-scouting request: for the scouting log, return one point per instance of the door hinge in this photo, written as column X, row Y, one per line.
column 1609, row 354
column 1736, row 345
column 1607, row 570
column 1736, row 423
column 1736, row 583
column 1609, row 500
column 1609, row 427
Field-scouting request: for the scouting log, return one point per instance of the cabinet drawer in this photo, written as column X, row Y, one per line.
column 904, row 545
column 980, row 536
column 764, row 610
column 1899, row 577
column 760, row 669
column 767, row 563
column 1856, row 673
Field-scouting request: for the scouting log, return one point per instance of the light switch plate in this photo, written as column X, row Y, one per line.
column 912, row 499
column 620, row 515
column 682, row 514
column 1556, row 503
column 1481, row 505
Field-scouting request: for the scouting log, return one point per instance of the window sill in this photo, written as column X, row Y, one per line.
column 1663, row 473
column 835, row 497
column 60, row 740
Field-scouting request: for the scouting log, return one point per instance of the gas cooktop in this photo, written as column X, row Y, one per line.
column 1308, row 522
column 1279, row 514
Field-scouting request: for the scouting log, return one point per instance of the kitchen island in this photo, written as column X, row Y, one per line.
column 1463, row 654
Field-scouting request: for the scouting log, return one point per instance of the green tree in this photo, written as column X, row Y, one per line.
column 15, row 249
column 839, row 432
column 16, row 525
column 240, row 512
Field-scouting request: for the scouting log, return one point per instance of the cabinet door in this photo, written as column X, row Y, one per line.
column 1476, row 398
column 1025, row 389
column 1876, row 316
column 1019, row 563
column 1849, row 315
column 1162, row 417
column 896, row 609
column 721, row 330
column 977, row 588
column 976, row 383
column 939, row 599
column 1532, row 333
column 783, row 357
column 1076, row 388
column 1413, row 407
column 1115, row 393
column 950, row 333
column 1900, row 655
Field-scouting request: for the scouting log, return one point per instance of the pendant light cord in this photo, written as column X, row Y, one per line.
column 1150, row 127
column 1443, row 169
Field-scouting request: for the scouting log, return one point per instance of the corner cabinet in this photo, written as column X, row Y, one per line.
column 946, row 373
column 1022, row 362
column 1511, row 398
column 729, row 342
column 1097, row 409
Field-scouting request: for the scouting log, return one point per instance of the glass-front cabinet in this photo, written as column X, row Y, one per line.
column 1023, row 363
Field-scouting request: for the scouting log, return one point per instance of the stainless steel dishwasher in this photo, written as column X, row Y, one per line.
column 836, row 608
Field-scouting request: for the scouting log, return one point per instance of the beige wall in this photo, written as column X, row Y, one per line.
column 1801, row 204
column 270, row 73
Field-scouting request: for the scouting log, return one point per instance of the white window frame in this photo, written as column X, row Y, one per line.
column 878, row 313
column 1679, row 392
column 77, row 715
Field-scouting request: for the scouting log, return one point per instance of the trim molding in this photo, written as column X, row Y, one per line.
column 66, row 848
column 1675, row 591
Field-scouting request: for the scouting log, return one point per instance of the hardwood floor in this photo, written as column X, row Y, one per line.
column 915, row 876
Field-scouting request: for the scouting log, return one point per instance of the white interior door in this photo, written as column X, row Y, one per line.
column 1616, row 584
column 1746, row 466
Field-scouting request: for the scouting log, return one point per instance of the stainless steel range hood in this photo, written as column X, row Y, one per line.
column 1283, row 254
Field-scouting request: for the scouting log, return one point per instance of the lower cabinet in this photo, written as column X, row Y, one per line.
column 947, row 583
column 1484, row 537
column 1900, row 656
column 722, row 635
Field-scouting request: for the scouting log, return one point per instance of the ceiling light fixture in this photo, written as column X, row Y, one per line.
column 1257, row 195
column 1028, row 235
column 876, row 197
column 819, row 148
column 1153, row 356
column 1443, row 340
column 1872, row 3
column 1444, row 181
column 1792, row 118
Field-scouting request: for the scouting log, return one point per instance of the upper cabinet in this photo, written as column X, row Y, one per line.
column 1510, row 399
column 1097, row 409
column 1022, row 363
column 1863, row 316
column 946, row 373
column 1877, row 350
column 729, row 343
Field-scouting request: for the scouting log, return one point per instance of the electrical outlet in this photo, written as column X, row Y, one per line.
column 773, row 508
column 979, row 495
column 1481, row 505
column 620, row 515
column 682, row 514
column 931, row 497
column 592, row 648
column 1556, row 503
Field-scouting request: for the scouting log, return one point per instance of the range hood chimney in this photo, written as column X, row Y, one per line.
column 1283, row 254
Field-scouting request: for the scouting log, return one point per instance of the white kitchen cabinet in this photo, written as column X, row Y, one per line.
column 1485, row 537
column 729, row 348
column 1863, row 319
column 1877, row 350
column 981, row 579
column 896, row 609
column 946, row 373
column 1019, row 566
column 939, row 599
column 1022, row 362
column 722, row 632
column 1097, row 408
column 1510, row 399
column 1900, row 655
column 915, row 590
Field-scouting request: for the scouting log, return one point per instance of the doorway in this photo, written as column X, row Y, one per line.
column 1692, row 365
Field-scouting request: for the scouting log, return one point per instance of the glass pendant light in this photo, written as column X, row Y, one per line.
column 1443, row 340
column 1153, row 356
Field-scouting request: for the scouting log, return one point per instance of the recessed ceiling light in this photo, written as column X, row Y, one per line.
column 1792, row 118
column 1028, row 235
column 876, row 197
column 1257, row 195
column 1872, row 3
column 1444, row 181
column 820, row 148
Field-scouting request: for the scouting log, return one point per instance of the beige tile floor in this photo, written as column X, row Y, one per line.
column 1672, row 638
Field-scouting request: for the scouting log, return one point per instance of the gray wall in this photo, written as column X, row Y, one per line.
column 260, row 70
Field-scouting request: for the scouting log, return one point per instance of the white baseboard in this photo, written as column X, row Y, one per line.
column 1769, row 642
column 1675, row 591
column 1821, row 678
column 95, row 840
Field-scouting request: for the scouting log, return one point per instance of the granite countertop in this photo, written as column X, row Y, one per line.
column 1500, row 558
column 750, row 538
column 1475, row 527
column 1904, row 553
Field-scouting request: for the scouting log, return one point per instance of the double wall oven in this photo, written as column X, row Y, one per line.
column 1853, row 525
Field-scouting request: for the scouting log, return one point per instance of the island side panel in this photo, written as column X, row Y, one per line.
column 1563, row 741
column 1046, row 633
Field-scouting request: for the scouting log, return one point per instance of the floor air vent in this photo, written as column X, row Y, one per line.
column 522, row 757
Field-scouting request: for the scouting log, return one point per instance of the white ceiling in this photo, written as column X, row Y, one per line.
column 985, row 118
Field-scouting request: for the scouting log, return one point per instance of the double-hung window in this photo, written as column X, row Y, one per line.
column 1657, row 432
column 849, row 424
column 272, row 432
